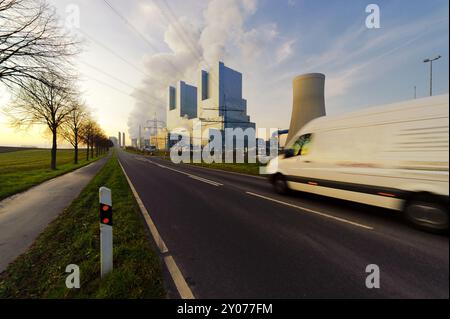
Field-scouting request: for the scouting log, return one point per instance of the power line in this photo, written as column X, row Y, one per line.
column 113, row 53
column 105, row 47
column 179, row 29
column 172, row 19
column 221, row 109
column 139, row 33
column 115, row 88
column 183, row 37
column 121, row 81
column 109, row 85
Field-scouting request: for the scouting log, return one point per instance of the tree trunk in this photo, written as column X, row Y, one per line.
column 92, row 149
column 54, row 148
column 75, row 138
column 75, row 160
column 87, row 151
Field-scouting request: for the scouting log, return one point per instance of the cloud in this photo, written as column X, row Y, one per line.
column 219, row 34
column 163, row 69
column 359, row 54
column 224, row 27
column 285, row 51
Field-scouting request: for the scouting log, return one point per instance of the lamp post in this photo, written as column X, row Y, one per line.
column 431, row 71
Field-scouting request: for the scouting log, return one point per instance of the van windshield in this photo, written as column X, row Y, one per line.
column 300, row 147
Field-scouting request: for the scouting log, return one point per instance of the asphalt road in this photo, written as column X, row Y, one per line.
column 233, row 237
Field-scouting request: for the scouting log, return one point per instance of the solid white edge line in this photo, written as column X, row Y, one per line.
column 177, row 277
column 151, row 225
column 181, row 284
column 343, row 220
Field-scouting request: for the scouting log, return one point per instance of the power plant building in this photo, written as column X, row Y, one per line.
column 217, row 103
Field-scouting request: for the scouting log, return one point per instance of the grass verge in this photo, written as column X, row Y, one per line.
column 73, row 238
column 243, row 168
column 21, row 170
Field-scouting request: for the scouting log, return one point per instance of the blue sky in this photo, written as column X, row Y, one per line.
column 269, row 41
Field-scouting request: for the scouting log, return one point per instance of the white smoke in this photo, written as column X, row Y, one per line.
column 162, row 69
column 220, row 35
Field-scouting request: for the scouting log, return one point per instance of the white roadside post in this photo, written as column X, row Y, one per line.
column 106, row 231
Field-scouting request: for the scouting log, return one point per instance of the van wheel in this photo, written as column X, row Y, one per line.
column 427, row 214
column 280, row 184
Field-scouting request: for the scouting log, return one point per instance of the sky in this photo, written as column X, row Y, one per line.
column 132, row 50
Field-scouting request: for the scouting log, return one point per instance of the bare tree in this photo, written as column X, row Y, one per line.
column 99, row 141
column 46, row 103
column 95, row 139
column 72, row 127
column 31, row 42
column 87, row 135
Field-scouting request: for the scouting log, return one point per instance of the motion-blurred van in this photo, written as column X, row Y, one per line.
column 393, row 156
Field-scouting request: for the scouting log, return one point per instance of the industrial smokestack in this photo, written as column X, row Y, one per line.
column 123, row 140
column 308, row 102
column 119, row 140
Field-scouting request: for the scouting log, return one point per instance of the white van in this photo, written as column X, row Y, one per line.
column 394, row 156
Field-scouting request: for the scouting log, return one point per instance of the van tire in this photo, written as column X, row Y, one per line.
column 421, row 206
column 280, row 184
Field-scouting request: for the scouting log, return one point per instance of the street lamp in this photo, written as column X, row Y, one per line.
column 431, row 71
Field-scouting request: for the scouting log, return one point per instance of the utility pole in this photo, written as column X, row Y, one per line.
column 140, row 142
column 431, row 71
column 153, row 128
column 155, row 123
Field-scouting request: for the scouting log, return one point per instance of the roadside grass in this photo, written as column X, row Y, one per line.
column 244, row 168
column 158, row 153
column 73, row 238
column 21, row 170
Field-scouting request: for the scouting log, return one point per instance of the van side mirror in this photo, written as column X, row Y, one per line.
column 288, row 153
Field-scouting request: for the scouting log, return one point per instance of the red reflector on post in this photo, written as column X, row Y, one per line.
column 106, row 230
column 106, row 214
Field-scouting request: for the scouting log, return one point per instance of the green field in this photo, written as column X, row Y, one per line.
column 73, row 238
column 20, row 170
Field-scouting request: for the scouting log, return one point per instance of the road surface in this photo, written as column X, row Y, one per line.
column 233, row 237
column 25, row 215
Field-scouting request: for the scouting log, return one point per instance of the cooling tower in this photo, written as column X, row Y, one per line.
column 308, row 102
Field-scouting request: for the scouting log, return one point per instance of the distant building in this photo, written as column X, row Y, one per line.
column 160, row 139
column 134, row 142
column 220, row 101
column 183, row 104
column 217, row 103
